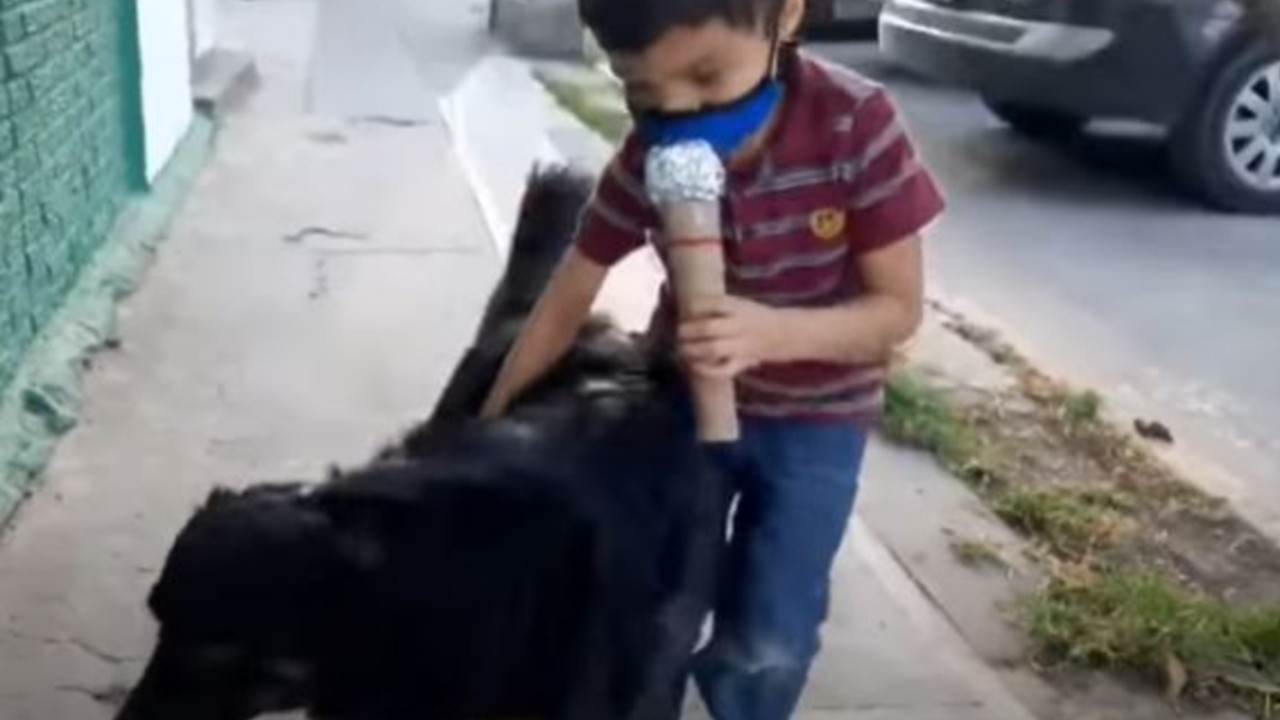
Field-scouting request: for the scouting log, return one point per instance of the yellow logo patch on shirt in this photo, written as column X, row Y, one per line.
column 827, row 223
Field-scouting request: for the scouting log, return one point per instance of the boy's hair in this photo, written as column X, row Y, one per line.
column 631, row 26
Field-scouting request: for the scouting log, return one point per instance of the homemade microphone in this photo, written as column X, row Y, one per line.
column 686, row 181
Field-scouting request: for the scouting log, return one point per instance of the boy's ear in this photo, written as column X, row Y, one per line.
column 791, row 18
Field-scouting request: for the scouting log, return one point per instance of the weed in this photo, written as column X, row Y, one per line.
column 583, row 102
column 920, row 416
column 1081, row 408
column 1073, row 522
column 1124, row 538
column 1135, row 620
column 977, row 552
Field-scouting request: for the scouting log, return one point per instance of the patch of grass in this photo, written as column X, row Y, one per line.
column 1082, row 408
column 1072, row 522
column 920, row 416
column 1136, row 620
column 1141, row 578
column 977, row 552
column 582, row 102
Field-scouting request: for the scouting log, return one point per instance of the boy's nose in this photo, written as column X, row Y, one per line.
column 674, row 101
column 683, row 105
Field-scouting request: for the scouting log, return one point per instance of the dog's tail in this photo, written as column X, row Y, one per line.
column 553, row 201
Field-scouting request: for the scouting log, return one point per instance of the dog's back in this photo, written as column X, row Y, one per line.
column 555, row 564
column 468, row 598
column 608, row 432
column 587, row 520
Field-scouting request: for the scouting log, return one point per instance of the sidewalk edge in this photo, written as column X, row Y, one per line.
column 496, row 88
column 951, row 645
column 43, row 401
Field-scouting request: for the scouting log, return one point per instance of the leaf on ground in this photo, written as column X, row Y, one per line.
column 1175, row 678
column 1251, row 680
column 1153, row 430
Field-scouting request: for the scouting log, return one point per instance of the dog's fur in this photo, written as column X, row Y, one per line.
column 554, row 564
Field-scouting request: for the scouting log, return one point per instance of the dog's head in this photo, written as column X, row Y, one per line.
column 238, row 602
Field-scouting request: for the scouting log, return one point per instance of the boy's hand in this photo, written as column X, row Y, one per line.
column 724, row 336
column 493, row 408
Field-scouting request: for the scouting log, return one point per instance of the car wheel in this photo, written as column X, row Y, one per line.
column 1036, row 122
column 1228, row 147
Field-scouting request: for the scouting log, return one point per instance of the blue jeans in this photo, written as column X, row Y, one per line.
column 796, row 484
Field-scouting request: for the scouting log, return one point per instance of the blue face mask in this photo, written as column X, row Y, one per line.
column 725, row 127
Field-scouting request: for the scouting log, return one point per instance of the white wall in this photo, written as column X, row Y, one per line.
column 166, row 78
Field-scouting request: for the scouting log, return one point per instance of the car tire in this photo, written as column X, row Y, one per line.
column 1036, row 122
column 1212, row 148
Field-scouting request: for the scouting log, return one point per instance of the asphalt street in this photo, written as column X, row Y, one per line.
column 1097, row 263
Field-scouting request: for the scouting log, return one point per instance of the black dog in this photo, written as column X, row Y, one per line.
column 554, row 564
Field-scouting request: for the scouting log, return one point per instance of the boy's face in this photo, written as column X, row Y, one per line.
column 689, row 68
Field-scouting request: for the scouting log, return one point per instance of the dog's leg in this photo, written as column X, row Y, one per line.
column 679, row 629
column 588, row 695
column 668, row 668
column 682, row 619
column 463, row 395
column 465, row 391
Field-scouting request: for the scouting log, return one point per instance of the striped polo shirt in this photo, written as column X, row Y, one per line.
column 838, row 178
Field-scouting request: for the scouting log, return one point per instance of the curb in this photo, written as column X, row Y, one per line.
column 497, row 118
column 951, row 646
column 222, row 79
column 42, row 402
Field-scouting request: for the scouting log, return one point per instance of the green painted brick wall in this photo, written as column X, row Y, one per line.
column 63, row 170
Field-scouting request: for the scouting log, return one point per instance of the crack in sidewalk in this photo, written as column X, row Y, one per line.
column 319, row 231
column 83, row 646
column 112, row 695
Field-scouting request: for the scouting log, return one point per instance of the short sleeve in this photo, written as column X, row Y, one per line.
column 617, row 220
column 894, row 195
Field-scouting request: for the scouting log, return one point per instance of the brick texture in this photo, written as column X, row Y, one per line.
column 62, row 155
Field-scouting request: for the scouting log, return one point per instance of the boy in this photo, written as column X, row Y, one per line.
column 824, row 205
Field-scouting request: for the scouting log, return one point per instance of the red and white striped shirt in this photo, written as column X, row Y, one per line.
column 839, row 178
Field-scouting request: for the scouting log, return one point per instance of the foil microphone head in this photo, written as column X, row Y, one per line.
column 684, row 172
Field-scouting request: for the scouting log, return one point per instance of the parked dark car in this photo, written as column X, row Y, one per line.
column 1047, row 67
column 841, row 18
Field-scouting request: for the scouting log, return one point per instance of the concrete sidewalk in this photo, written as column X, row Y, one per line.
column 316, row 289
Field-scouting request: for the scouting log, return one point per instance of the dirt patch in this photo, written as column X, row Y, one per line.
column 1148, row 576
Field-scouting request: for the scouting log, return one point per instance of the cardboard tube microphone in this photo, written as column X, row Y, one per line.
column 686, row 182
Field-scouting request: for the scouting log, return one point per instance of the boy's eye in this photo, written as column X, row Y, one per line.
column 638, row 101
column 638, row 94
column 706, row 81
column 705, row 77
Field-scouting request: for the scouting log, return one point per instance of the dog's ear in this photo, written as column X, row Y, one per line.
column 393, row 482
column 218, row 496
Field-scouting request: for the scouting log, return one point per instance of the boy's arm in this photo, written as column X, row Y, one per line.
column 893, row 198
column 735, row 334
column 550, row 329
column 867, row 329
column 613, row 225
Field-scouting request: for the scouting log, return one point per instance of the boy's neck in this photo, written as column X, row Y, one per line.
column 756, row 145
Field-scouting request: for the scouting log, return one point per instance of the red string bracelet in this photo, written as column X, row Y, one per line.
column 693, row 242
